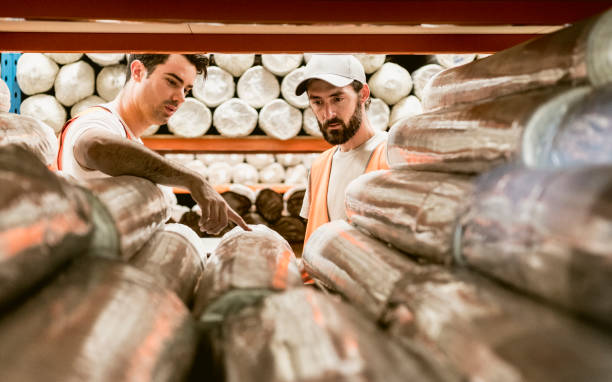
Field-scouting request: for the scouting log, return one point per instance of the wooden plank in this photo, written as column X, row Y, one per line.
column 219, row 144
column 318, row 11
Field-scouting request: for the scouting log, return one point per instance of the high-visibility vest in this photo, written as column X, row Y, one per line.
column 320, row 171
column 62, row 135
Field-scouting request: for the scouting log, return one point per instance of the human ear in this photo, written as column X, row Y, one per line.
column 364, row 93
column 139, row 71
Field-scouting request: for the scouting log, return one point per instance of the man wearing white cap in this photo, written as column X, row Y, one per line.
column 339, row 97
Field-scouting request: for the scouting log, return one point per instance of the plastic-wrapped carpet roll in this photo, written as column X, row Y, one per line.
column 106, row 59
column 191, row 219
column 219, row 173
column 257, row 86
column 74, row 82
column 218, row 87
column 472, row 138
column 290, row 159
column 45, row 108
column 308, row 158
column 547, row 232
column 177, row 212
column 406, row 107
column 371, row 62
column 175, row 257
column 5, row 97
column 259, row 160
column 281, row 64
column 84, row 104
column 64, row 58
column 29, row 133
column 293, row 199
column 150, row 131
column 378, row 114
column 182, row 158
column 269, row 204
column 235, row 64
column 35, row 73
column 576, row 55
column 101, row 320
column 240, row 198
column 288, row 85
column 453, row 60
column 291, row 228
column 422, row 76
column 110, row 81
column 280, row 120
column 415, row 211
column 231, row 159
column 310, row 124
column 44, row 222
column 192, row 119
column 297, row 174
column 244, row 173
column 272, row 173
column 197, row 166
column 390, row 83
column 235, row 118
column 253, row 217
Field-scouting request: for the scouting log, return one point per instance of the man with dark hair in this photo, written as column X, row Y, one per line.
column 339, row 97
column 105, row 139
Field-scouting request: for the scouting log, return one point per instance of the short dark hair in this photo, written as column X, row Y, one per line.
column 357, row 86
column 150, row 61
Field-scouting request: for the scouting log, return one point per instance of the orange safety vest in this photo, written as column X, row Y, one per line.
column 67, row 124
column 320, row 171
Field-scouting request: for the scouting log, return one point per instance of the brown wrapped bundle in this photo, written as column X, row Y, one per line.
column 191, row 220
column 484, row 331
column 269, row 204
column 257, row 259
column 175, row 257
column 579, row 54
column 304, row 335
column 415, row 211
column 30, row 133
column 292, row 229
column 240, row 198
column 44, row 222
column 294, row 199
column 101, row 320
column 137, row 208
column 546, row 232
column 473, row 138
column 254, row 218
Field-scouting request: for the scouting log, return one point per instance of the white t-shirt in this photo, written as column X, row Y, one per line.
column 99, row 119
column 346, row 166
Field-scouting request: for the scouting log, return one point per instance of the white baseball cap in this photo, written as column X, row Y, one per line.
column 337, row 69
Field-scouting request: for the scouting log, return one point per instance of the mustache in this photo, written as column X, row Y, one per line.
column 331, row 121
column 171, row 103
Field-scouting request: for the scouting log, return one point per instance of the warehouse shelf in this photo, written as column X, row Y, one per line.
column 219, row 144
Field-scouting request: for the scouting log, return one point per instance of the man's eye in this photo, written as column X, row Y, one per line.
column 171, row 82
column 338, row 99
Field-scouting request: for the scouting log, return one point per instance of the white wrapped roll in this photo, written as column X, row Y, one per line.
column 192, row 119
column 257, row 86
column 289, row 159
column 243, row 190
column 177, row 211
column 209, row 159
column 452, row 60
column 281, row 64
column 390, row 83
column 64, row 58
column 182, row 158
column 421, row 77
column 35, row 73
column 218, row 87
column 5, row 97
column 198, row 166
column 106, row 59
column 244, row 173
column 406, row 107
column 235, row 118
column 288, row 85
column 371, row 62
column 150, row 131
column 272, row 173
column 45, row 108
column 310, row 124
column 110, row 81
column 219, row 173
column 297, row 175
column 259, row 160
column 74, row 82
column 84, row 104
column 280, row 120
column 308, row 158
column 235, row 64
column 378, row 114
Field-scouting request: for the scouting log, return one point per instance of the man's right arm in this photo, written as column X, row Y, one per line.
column 100, row 150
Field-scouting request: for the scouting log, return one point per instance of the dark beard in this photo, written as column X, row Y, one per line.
column 340, row 136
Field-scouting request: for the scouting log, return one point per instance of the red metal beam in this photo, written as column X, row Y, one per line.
column 462, row 12
column 221, row 144
column 258, row 43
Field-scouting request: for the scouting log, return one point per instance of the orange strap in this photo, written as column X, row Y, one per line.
column 62, row 135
